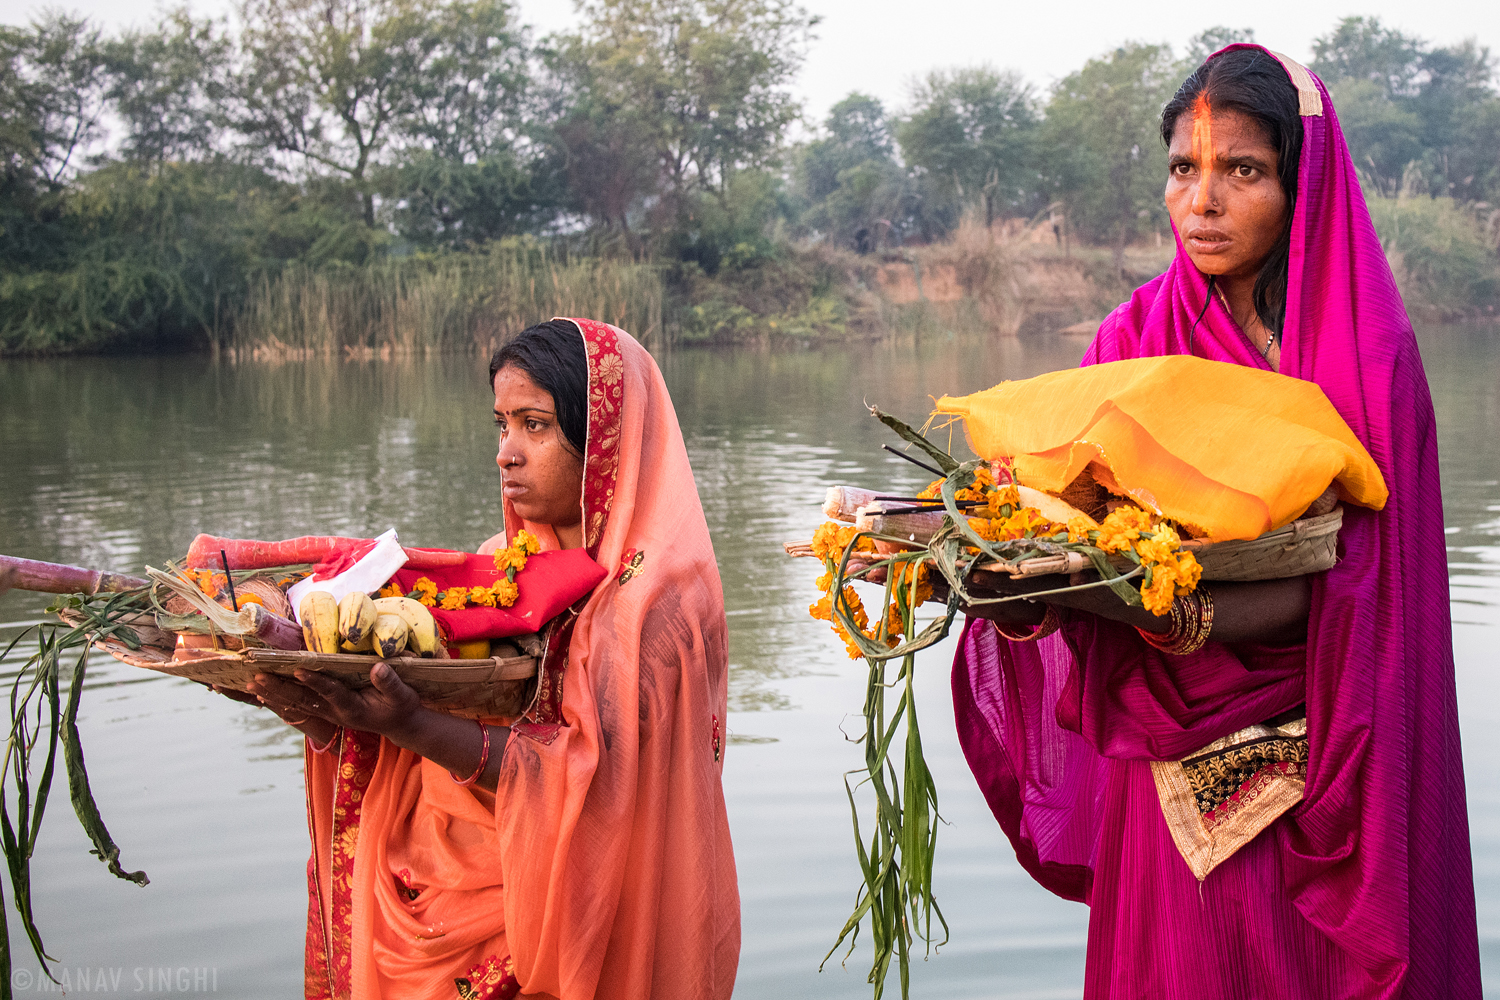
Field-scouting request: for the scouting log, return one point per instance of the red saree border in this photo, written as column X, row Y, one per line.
column 492, row 979
column 329, row 960
column 601, row 469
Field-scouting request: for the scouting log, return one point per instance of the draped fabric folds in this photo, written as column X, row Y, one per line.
column 602, row 865
column 1365, row 888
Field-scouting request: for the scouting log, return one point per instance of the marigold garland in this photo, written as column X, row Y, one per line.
column 913, row 588
column 503, row 593
column 1127, row 530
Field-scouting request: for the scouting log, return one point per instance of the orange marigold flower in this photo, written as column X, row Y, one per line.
column 425, row 591
column 512, row 558
column 825, row 582
column 825, row 539
column 1189, row 572
column 392, row 589
column 846, row 536
column 482, row 596
column 526, row 542
column 1157, row 596
column 1079, row 527
column 986, row 528
column 454, row 599
column 505, row 592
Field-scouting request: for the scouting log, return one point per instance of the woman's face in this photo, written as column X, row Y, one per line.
column 1223, row 192
column 540, row 473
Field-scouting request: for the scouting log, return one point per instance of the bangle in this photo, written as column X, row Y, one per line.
column 484, row 758
column 1050, row 623
column 1192, row 621
column 313, row 746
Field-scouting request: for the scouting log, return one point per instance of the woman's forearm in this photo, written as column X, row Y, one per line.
column 1273, row 612
column 453, row 743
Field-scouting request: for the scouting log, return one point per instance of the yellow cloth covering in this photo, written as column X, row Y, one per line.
column 1227, row 449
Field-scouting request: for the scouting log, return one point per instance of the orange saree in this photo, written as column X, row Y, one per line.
column 602, row 866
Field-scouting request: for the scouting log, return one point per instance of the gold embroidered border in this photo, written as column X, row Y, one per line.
column 1207, row 841
column 1309, row 101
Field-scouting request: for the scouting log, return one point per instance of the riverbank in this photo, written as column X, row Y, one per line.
column 1005, row 280
column 1001, row 281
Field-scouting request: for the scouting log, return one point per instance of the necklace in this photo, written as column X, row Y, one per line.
column 1265, row 352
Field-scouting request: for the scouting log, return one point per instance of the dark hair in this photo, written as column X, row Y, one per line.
column 552, row 355
column 1253, row 82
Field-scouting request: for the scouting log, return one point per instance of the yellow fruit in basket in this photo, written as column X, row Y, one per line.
column 390, row 635
column 476, row 649
column 320, row 622
column 356, row 621
column 423, row 627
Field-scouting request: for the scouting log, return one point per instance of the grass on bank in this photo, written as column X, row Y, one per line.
column 424, row 304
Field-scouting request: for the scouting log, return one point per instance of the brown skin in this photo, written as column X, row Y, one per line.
column 1229, row 212
column 542, row 476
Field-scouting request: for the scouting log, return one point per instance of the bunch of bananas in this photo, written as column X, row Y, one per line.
column 359, row 624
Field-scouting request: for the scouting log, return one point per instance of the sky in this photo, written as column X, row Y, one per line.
column 879, row 46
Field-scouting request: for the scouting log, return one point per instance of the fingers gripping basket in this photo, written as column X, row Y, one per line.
column 498, row 687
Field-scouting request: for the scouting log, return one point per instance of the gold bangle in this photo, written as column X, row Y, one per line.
column 1192, row 623
column 1050, row 623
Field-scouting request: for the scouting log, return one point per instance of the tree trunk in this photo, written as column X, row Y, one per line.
column 1119, row 256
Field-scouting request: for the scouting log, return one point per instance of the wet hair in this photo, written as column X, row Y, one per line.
column 552, row 355
column 1253, row 82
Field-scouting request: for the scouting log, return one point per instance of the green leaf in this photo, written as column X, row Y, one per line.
column 944, row 461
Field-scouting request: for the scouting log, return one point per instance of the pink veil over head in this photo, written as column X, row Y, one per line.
column 1371, row 873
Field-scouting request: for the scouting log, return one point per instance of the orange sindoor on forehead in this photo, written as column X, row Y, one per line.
column 1203, row 142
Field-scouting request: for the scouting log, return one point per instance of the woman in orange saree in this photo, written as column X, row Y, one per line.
column 600, row 863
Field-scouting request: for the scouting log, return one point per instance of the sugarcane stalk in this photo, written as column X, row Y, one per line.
column 59, row 578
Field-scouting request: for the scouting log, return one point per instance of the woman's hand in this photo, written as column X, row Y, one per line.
column 387, row 707
column 390, row 708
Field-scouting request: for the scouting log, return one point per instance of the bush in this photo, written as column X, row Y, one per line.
column 1438, row 251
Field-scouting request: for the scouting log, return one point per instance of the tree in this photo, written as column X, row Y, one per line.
column 972, row 131
column 1409, row 110
column 854, row 190
column 339, row 82
column 168, row 88
column 1101, row 145
column 1211, row 40
column 52, row 98
column 857, row 130
column 699, row 86
column 1361, row 48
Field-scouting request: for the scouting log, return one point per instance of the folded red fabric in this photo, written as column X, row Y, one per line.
column 548, row 585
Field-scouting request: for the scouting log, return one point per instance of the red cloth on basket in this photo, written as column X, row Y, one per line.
column 550, row 583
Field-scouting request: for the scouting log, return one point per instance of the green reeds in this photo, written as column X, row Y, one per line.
column 897, row 859
column 442, row 302
column 40, row 721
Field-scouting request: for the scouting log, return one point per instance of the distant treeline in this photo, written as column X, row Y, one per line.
column 156, row 186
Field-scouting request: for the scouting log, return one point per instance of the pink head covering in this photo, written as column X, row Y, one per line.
column 1376, row 856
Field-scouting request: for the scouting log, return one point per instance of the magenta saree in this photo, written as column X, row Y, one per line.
column 1365, row 887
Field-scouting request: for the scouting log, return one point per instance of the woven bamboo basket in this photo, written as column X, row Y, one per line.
column 1297, row 549
column 499, row 687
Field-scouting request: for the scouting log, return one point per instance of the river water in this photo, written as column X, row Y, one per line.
column 117, row 463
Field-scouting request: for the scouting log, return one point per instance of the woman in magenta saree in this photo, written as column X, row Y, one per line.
column 1357, row 881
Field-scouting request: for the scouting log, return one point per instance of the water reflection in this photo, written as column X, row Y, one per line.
column 119, row 462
